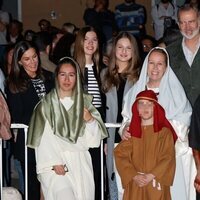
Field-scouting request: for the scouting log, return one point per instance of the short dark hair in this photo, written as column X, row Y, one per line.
column 29, row 34
column 44, row 20
column 171, row 35
column 42, row 40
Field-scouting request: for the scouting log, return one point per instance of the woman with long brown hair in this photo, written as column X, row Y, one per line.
column 26, row 85
column 117, row 79
column 88, row 55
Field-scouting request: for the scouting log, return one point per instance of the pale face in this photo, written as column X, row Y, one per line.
column 156, row 68
column 145, row 109
column 29, row 61
column 66, row 80
column 189, row 24
column 123, row 50
column 90, row 43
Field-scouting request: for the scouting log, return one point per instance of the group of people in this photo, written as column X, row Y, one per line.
column 26, row 85
column 65, row 107
column 173, row 75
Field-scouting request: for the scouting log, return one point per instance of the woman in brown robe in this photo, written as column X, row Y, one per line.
column 146, row 162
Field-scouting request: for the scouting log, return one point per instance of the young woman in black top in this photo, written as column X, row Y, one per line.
column 26, row 85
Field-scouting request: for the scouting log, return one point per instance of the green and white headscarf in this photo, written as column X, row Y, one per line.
column 66, row 124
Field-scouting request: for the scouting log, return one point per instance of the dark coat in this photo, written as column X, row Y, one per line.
column 21, row 107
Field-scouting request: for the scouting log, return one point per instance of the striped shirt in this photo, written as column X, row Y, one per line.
column 93, row 87
column 129, row 17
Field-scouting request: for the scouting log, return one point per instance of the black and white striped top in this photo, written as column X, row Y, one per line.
column 93, row 87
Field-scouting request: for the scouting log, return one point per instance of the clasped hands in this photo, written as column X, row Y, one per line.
column 142, row 180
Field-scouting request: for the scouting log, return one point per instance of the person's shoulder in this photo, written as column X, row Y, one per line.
column 47, row 64
column 138, row 5
column 175, row 46
column 46, row 101
column 109, row 12
column 47, row 74
column 4, row 16
column 49, row 79
column 165, row 131
column 120, row 6
column 125, row 144
column 40, row 105
column 89, row 10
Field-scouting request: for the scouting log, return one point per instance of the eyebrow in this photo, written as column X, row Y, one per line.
column 67, row 72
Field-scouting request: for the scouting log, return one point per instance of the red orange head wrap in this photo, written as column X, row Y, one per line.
column 159, row 118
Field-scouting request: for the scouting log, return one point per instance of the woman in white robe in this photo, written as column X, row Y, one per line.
column 63, row 127
column 172, row 98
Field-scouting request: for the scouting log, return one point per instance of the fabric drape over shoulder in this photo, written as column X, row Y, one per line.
column 171, row 96
column 68, row 125
column 61, row 121
column 159, row 119
column 178, row 111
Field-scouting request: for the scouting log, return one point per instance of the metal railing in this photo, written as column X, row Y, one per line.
column 25, row 127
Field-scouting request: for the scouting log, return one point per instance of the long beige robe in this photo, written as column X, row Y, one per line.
column 152, row 153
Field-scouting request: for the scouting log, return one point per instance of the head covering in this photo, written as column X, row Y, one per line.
column 159, row 119
column 66, row 124
column 171, row 96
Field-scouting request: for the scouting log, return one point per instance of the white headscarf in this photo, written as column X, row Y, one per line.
column 171, row 96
